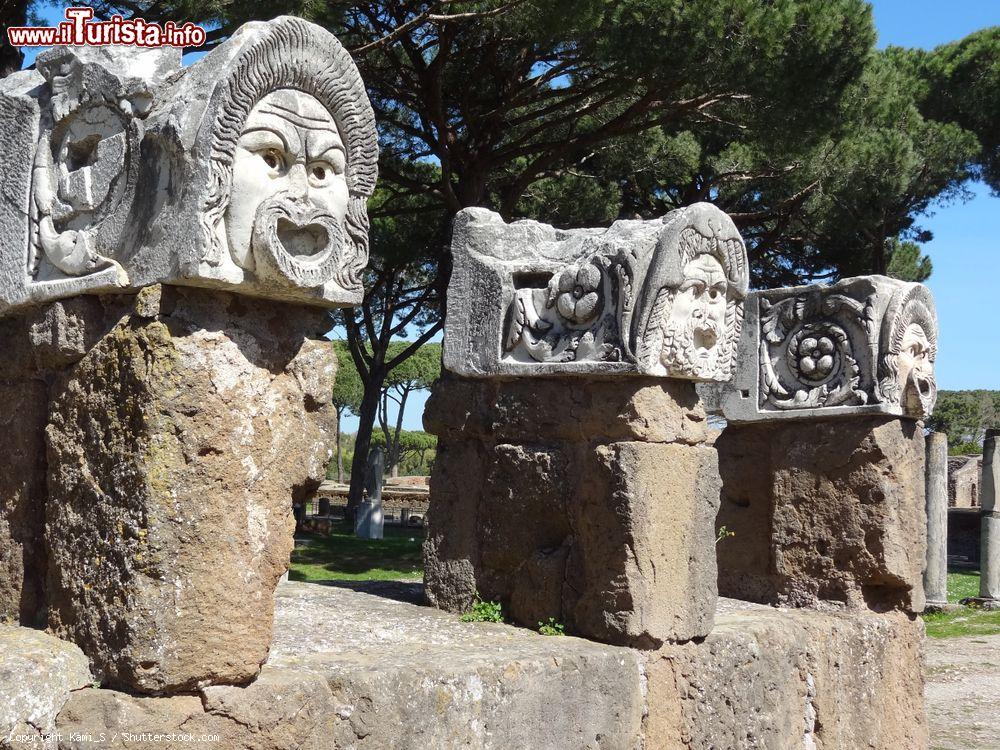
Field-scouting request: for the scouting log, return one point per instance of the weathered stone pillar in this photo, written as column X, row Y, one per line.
column 370, row 521
column 936, row 572
column 989, row 582
column 176, row 447
column 39, row 345
column 588, row 501
column 823, row 460
column 574, row 477
column 824, row 510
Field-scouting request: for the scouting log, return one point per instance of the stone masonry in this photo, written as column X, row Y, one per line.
column 41, row 345
column 171, row 239
column 369, row 672
column 828, row 510
column 590, row 502
column 573, row 479
column 175, row 448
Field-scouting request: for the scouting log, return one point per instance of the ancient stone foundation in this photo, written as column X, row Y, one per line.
column 587, row 501
column 355, row 670
column 175, row 447
column 170, row 431
column 824, row 510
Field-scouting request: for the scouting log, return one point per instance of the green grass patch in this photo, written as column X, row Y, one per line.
column 964, row 621
column 483, row 612
column 341, row 556
column 962, row 584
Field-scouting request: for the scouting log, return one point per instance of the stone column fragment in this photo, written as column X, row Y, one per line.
column 369, row 524
column 176, row 447
column 989, row 582
column 936, row 572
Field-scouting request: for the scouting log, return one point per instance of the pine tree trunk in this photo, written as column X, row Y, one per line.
column 366, row 424
column 340, row 453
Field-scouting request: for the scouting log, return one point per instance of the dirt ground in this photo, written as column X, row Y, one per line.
column 963, row 692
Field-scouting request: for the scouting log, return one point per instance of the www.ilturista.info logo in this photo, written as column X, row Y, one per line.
column 78, row 30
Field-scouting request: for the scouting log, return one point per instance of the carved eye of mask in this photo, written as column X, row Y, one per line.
column 273, row 158
column 695, row 285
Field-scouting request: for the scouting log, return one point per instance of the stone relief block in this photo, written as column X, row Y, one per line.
column 71, row 171
column 662, row 297
column 248, row 171
column 261, row 160
column 864, row 345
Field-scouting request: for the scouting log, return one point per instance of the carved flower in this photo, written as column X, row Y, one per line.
column 576, row 288
column 816, row 357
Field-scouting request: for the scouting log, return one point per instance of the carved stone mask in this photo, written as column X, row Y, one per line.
column 915, row 374
column 696, row 324
column 289, row 196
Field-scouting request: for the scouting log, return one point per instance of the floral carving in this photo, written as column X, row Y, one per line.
column 814, row 356
column 575, row 293
column 567, row 321
column 811, row 348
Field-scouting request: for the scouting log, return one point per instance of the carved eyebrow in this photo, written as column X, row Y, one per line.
column 272, row 131
column 333, row 147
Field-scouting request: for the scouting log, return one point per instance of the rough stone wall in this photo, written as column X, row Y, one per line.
column 353, row 670
column 791, row 680
column 964, row 474
column 824, row 510
column 587, row 501
column 38, row 347
column 175, row 448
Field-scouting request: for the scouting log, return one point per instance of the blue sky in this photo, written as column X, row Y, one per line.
column 965, row 245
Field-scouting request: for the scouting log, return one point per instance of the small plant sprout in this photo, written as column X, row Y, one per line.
column 483, row 611
column 551, row 627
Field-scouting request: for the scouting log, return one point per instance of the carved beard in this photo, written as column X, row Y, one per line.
column 680, row 353
column 919, row 394
column 296, row 242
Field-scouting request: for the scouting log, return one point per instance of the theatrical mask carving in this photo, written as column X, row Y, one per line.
column 694, row 293
column 862, row 345
column 289, row 197
column 276, row 205
column 659, row 297
column 908, row 351
column 248, row 171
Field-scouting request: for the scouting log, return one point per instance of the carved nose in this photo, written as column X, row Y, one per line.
column 298, row 183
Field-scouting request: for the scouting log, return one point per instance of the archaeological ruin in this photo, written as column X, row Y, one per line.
column 171, row 241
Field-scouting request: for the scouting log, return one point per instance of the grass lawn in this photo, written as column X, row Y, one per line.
column 342, row 556
column 967, row 620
